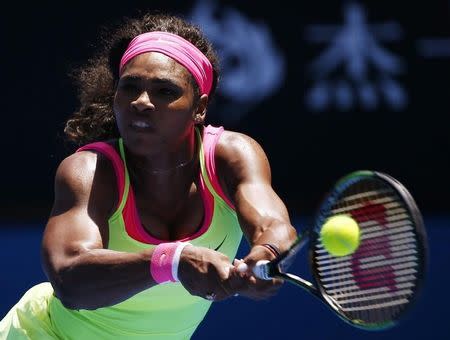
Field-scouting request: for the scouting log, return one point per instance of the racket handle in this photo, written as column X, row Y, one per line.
column 242, row 268
column 261, row 270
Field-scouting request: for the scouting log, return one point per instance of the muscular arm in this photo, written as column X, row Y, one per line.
column 262, row 214
column 263, row 217
column 83, row 273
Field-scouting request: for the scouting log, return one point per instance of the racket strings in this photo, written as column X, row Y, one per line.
column 375, row 283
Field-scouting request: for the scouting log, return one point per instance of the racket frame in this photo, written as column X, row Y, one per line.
column 278, row 267
column 416, row 217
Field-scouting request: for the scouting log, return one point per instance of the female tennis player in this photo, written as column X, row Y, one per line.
column 150, row 210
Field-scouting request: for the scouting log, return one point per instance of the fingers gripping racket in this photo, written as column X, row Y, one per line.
column 373, row 287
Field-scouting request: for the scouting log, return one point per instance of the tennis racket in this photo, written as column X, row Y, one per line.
column 377, row 284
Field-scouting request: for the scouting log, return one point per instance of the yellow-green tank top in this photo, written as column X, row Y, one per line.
column 166, row 311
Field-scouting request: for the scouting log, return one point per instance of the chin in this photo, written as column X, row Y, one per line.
column 140, row 144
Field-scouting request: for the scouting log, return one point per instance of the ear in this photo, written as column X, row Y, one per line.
column 200, row 112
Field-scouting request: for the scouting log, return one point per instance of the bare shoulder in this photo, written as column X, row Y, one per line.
column 84, row 161
column 83, row 177
column 81, row 166
column 78, row 169
column 235, row 144
column 240, row 157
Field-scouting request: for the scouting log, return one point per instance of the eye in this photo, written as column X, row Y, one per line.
column 127, row 86
column 167, row 91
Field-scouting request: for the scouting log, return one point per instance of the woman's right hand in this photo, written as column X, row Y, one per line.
column 206, row 273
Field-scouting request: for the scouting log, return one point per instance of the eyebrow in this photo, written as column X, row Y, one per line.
column 135, row 78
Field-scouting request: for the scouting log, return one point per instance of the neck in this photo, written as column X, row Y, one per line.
column 166, row 170
column 166, row 187
column 170, row 160
column 171, row 173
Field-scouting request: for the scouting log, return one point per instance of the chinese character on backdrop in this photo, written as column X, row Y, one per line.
column 354, row 69
column 253, row 68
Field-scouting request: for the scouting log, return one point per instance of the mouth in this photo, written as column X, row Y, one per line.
column 141, row 126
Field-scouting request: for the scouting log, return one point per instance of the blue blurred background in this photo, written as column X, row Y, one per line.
column 326, row 88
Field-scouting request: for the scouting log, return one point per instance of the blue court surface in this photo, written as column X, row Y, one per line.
column 291, row 314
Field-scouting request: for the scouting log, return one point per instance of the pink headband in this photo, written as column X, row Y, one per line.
column 176, row 48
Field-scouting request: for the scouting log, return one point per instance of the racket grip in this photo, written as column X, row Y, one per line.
column 261, row 270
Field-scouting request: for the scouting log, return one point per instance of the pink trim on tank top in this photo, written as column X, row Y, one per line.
column 136, row 230
column 130, row 214
column 209, row 147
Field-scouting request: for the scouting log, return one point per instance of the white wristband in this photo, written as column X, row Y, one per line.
column 176, row 259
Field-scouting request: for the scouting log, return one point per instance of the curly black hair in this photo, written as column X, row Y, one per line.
column 97, row 79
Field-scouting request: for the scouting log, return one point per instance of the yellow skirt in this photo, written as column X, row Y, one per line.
column 29, row 318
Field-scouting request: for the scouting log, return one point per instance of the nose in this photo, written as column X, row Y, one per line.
column 142, row 102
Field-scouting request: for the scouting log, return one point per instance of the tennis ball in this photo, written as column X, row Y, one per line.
column 340, row 235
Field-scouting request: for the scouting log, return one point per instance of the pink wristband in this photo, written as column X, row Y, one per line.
column 165, row 260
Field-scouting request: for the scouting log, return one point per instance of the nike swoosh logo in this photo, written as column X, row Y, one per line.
column 220, row 245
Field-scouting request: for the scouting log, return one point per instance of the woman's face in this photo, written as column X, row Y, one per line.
column 154, row 104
